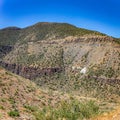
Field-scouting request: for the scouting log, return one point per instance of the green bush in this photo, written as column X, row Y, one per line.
column 14, row 113
column 69, row 111
column 30, row 108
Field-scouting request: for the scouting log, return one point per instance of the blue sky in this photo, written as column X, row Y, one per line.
column 100, row 15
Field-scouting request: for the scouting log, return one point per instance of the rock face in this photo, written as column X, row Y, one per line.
column 29, row 72
column 109, row 81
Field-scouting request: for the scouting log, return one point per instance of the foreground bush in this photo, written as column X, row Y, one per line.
column 14, row 113
column 68, row 111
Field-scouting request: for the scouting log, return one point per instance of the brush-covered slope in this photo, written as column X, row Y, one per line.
column 21, row 99
column 9, row 36
column 40, row 31
column 60, row 56
column 50, row 31
column 16, row 93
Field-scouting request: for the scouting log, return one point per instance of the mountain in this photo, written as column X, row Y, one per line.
column 64, row 58
column 44, row 30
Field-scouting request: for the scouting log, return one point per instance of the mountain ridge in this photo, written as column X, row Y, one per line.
column 58, row 29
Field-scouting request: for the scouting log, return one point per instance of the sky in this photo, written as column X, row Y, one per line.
column 99, row 15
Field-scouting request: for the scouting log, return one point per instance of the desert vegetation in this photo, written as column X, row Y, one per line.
column 51, row 56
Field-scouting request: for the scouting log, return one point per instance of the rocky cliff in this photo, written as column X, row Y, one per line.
column 30, row 72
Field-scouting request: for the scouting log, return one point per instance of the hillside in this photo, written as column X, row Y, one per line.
column 15, row 93
column 61, row 57
column 21, row 99
column 113, row 115
column 45, row 59
column 9, row 36
column 40, row 31
column 50, row 31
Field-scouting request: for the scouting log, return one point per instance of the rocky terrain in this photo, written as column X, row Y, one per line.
column 61, row 57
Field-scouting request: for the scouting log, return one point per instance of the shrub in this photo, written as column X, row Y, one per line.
column 30, row 108
column 69, row 110
column 14, row 113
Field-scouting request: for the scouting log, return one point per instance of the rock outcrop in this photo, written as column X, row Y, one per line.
column 30, row 72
